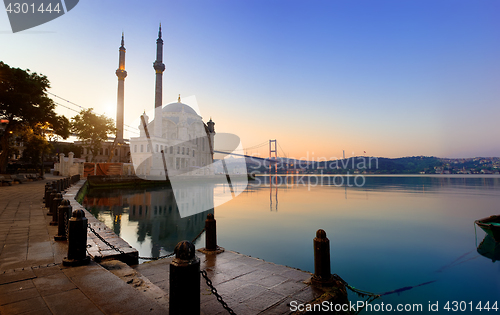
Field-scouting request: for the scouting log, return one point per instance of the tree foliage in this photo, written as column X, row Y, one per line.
column 35, row 144
column 92, row 129
column 25, row 104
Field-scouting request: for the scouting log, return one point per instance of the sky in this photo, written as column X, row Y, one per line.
column 391, row 78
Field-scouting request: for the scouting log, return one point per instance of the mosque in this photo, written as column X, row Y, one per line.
column 175, row 142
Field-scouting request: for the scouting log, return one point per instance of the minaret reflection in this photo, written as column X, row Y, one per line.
column 156, row 211
column 158, row 214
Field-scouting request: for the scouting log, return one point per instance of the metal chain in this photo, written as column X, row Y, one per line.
column 214, row 291
column 105, row 242
column 66, row 223
column 143, row 258
column 32, row 267
column 360, row 293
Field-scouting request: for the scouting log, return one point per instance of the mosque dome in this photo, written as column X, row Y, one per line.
column 178, row 107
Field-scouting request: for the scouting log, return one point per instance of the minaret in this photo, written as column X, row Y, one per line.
column 211, row 130
column 159, row 68
column 121, row 74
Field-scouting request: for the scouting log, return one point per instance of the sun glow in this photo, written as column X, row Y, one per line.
column 110, row 110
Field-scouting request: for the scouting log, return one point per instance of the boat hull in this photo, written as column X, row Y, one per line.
column 491, row 225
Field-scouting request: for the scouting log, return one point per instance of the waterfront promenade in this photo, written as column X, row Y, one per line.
column 33, row 280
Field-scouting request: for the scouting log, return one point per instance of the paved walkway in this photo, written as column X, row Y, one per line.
column 33, row 280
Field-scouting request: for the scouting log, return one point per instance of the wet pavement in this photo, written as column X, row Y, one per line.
column 34, row 281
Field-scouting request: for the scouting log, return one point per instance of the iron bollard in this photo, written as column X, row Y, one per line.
column 59, row 185
column 210, row 233
column 185, row 280
column 53, row 208
column 77, row 240
column 63, row 213
column 54, row 186
column 46, row 194
column 52, row 195
column 67, row 182
column 322, row 272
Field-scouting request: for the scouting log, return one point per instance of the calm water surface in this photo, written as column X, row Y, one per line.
column 391, row 233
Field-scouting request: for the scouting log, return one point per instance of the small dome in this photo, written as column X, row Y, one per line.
column 179, row 107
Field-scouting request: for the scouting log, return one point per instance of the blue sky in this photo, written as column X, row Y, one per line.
column 392, row 78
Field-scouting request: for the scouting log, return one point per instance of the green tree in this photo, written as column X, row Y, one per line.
column 35, row 145
column 25, row 105
column 92, row 129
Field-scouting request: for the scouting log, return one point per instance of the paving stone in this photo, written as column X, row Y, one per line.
column 264, row 300
column 256, row 275
column 46, row 271
column 282, row 307
column 272, row 281
column 17, row 291
column 247, row 291
column 277, row 269
column 71, row 302
column 16, row 276
column 29, row 305
column 308, row 294
column 288, row 287
column 53, row 284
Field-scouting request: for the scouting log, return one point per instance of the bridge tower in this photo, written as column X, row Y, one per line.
column 275, row 151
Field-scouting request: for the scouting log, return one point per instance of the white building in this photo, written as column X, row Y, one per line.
column 183, row 146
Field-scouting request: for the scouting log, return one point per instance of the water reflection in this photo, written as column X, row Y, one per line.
column 152, row 219
column 376, row 182
column 489, row 248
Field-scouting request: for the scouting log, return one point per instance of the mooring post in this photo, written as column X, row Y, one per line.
column 185, row 280
column 63, row 213
column 46, row 194
column 322, row 272
column 54, row 185
column 53, row 208
column 210, row 233
column 77, row 240
column 52, row 195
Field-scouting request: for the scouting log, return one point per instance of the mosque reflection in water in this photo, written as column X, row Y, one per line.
column 152, row 215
